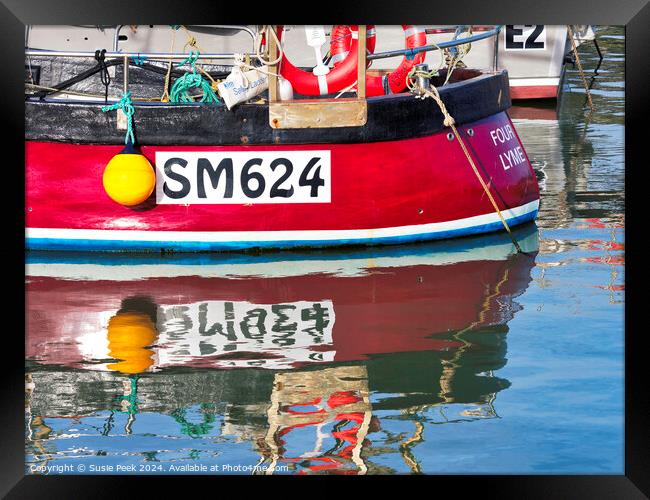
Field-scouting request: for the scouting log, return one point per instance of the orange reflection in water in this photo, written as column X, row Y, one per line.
column 129, row 335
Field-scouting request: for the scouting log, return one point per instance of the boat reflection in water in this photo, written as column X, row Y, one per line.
column 310, row 359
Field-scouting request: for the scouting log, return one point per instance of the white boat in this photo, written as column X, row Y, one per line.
column 533, row 55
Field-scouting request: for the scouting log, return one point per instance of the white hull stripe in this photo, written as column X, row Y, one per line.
column 260, row 236
column 529, row 82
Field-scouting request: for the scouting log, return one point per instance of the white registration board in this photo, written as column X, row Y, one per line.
column 242, row 177
column 273, row 335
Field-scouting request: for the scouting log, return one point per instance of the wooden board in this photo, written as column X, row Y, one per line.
column 318, row 113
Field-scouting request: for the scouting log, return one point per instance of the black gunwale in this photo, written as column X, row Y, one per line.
column 391, row 117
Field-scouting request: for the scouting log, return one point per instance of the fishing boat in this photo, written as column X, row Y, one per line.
column 325, row 157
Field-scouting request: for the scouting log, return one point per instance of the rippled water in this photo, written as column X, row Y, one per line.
column 450, row 357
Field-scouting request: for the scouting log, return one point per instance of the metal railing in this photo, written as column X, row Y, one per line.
column 226, row 56
column 116, row 36
column 113, row 54
column 116, row 52
column 441, row 45
column 125, row 56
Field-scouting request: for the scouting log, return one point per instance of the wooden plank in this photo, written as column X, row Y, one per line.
column 122, row 120
column 273, row 70
column 318, row 113
column 361, row 67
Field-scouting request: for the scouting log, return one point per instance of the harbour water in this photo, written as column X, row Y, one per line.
column 447, row 357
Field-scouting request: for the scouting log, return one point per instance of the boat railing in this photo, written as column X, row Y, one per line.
column 134, row 55
column 325, row 112
column 442, row 45
column 31, row 52
column 246, row 29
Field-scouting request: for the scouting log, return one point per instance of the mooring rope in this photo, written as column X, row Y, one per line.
column 449, row 121
column 126, row 105
column 582, row 73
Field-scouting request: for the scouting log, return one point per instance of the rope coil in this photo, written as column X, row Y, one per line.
column 180, row 91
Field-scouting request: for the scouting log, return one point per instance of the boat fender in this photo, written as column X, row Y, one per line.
column 338, row 78
column 285, row 89
column 129, row 178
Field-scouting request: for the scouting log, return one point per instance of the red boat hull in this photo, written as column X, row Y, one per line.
column 381, row 192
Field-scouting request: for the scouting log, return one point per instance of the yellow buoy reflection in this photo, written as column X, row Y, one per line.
column 129, row 335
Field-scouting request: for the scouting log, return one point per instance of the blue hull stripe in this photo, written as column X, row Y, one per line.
column 202, row 246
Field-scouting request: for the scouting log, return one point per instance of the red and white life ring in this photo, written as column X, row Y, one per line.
column 341, row 76
column 394, row 82
column 340, row 42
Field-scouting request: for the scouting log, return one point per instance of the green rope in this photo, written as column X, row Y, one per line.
column 126, row 105
column 195, row 429
column 139, row 60
column 132, row 398
column 180, row 91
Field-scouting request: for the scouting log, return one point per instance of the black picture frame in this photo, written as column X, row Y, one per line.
column 635, row 15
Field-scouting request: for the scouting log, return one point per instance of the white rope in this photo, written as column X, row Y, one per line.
column 258, row 45
column 346, row 89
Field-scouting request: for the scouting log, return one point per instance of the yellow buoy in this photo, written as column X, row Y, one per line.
column 129, row 336
column 129, row 178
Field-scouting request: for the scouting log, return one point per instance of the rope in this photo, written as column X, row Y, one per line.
column 258, row 45
column 194, row 44
column 346, row 89
column 132, row 398
column 582, row 73
column 458, row 52
column 180, row 91
column 139, row 60
column 449, row 121
column 105, row 77
column 126, row 105
column 414, row 73
column 239, row 61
